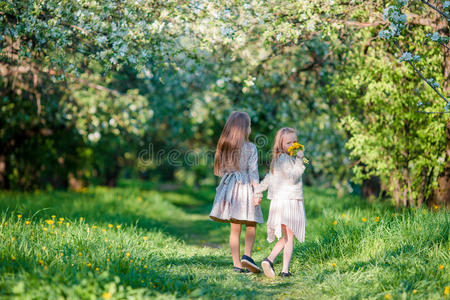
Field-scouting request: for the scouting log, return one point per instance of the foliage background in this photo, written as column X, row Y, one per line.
column 89, row 88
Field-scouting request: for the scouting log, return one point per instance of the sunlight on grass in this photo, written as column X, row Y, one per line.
column 143, row 243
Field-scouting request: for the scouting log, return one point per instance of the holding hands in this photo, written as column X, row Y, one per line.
column 256, row 196
column 257, row 200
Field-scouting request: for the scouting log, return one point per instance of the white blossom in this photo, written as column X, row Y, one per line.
column 226, row 30
column 435, row 36
column 406, row 57
column 247, row 6
column 433, row 83
column 384, row 34
column 94, row 137
column 101, row 39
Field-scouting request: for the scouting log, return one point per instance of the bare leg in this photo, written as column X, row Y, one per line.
column 278, row 246
column 235, row 236
column 250, row 234
column 288, row 249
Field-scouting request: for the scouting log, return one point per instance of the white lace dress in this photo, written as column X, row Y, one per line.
column 285, row 190
column 234, row 195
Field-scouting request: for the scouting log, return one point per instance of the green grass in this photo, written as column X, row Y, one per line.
column 166, row 247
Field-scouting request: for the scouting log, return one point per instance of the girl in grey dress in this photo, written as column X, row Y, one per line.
column 236, row 162
column 287, row 214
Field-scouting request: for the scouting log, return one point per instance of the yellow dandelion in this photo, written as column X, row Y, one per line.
column 118, row 226
column 67, row 224
column 41, row 262
column 44, row 248
column 53, row 216
column 142, row 259
column 19, row 216
column 81, row 219
column 333, row 265
column 387, row 296
column 49, row 222
column 107, row 295
column 364, row 219
column 107, row 259
column 145, row 267
column 6, row 223
column 27, row 222
column 414, row 291
column 258, row 248
column 89, row 265
column 335, row 223
column 60, row 222
column 94, row 227
column 139, row 199
column 79, row 253
column 13, row 257
column 435, row 207
column 447, row 291
column 377, row 219
column 128, row 254
column 145, row 238
column 97, row 269
column 61, row 219
column 110, row 225
column 61, row 254
column 343, row 215
column 441, row 267
column 106, row 239
column 13, row 238
column 103, row 229
column 131, row 260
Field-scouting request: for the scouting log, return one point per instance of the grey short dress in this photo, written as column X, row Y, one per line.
column 285, row 190
column 234, row 195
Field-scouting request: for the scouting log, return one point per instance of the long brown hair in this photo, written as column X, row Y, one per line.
column 278, row 144
column 235, row 132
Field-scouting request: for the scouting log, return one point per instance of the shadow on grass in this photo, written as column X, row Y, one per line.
column 158, row 279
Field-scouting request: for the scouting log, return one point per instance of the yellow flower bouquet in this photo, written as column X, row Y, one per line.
column 295, row 148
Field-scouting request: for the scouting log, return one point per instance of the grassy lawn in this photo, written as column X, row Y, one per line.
column 136, row 241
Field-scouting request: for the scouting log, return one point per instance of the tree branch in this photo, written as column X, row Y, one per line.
column 436, row 9
column 420, row 74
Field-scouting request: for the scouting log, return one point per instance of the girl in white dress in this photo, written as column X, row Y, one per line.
column 287, row 214
column 236, row 161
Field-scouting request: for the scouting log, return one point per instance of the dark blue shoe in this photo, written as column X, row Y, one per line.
column 239, row 270
column 249, row 263
column 267, row 267
column 283, row 274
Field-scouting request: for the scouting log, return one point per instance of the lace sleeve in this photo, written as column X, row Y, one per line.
column 253, row 165
column 291, row 168
column 263, row 185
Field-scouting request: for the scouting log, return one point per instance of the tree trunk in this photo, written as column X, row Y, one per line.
column 3, row 175
column 441, row 195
